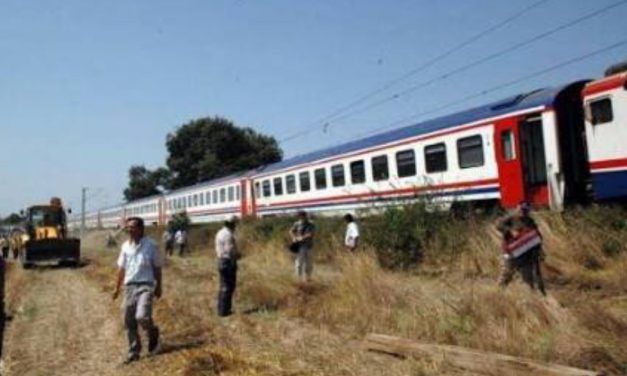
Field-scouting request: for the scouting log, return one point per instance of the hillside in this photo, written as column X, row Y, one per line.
column 66, row 324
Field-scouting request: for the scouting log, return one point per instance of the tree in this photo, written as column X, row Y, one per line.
column 210, row 148
column 144, row 182
column 179, row 221
column 12, row 219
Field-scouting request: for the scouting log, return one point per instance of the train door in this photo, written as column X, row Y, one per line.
column 243, row 198
column 533, row 160
column 161, row 207
column 509, row 162
column 521, row 161
column 252, row 202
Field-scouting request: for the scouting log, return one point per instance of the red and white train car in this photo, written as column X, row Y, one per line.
column 211, row 201
column 527, row 147
column 606, row 133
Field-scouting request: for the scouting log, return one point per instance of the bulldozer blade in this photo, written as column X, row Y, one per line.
column 47, row 250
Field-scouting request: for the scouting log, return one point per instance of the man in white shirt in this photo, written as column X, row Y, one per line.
column 139, row 269
column 181, row 241
column 226, row 255
column 351, row 240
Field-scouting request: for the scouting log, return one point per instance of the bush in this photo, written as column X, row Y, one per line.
column 179, row 221
column 611, row 248
column 400, row 234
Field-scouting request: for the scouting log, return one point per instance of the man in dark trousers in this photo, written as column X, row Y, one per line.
column 226, row 256
column 2, row 312
column 139, row 269
column 302, row 233
column 522, row 248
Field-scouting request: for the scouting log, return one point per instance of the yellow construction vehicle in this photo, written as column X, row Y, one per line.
column 46, row 236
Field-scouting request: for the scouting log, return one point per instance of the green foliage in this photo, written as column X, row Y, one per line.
column 179, row 221
column 401, row 233
column 12, row 219
column 144, row 182
column 210, row 148
column 265, row 229
column 611, row 248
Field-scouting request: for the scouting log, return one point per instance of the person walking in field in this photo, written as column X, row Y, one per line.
column 351, row 239
column 139, row 270
column 180, row 238
column 227, row 255
column 522, row 248
column 168, row 241
column 302, row 233
column 2, row 311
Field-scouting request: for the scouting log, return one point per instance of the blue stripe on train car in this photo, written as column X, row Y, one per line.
column 610, row 184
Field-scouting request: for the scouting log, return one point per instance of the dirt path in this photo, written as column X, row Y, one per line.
column 62, row 325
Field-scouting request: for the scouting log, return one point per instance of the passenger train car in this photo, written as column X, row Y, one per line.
column 548, row 147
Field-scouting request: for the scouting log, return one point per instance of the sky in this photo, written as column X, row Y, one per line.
column 89, row 88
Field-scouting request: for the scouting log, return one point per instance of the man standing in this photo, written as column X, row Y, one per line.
column 227, row 255
column 168, row 241
column 352, row 233
column 181, row 240
column 2, row 312
column 302, row 233
column 522, row 248
column 139, row 269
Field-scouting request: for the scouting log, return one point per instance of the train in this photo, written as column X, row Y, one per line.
column 549, row 147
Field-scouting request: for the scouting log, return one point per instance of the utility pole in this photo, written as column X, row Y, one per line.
column 83, row 204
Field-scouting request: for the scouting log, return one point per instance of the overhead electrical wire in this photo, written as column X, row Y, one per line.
column 493, row 89
column 465, row 67
column 425, row 65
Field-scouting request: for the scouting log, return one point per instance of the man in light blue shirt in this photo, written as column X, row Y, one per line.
column 139, row 269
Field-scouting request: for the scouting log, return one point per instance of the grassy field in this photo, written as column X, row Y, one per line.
column 450, row 296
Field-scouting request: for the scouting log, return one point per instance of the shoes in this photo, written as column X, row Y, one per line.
column 131, row 358
column 154, row 343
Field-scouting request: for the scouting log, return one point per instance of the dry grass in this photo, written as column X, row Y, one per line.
column 283, row 327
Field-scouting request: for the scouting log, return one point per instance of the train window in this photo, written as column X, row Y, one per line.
column 508, row 151
column 601, row 111
column 278, row 186
column 290, row 184
column 201, row 198
column 358, row 172
column 320, row 176
column 337, row 175
column 406, row 163
column 231, row 193
column 208, row 197
column 305, row 184
column 266, row 188
column 237, row 193
column 257, row 189
column 435, row 158
column 184, row 202
column 189, row 201
column 222, row 195
column 214, row 195
column 196, row 199
column 470, row 151
column 380, row 170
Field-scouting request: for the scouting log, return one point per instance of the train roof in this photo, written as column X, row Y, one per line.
column 540, row 97
column 209, row 183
